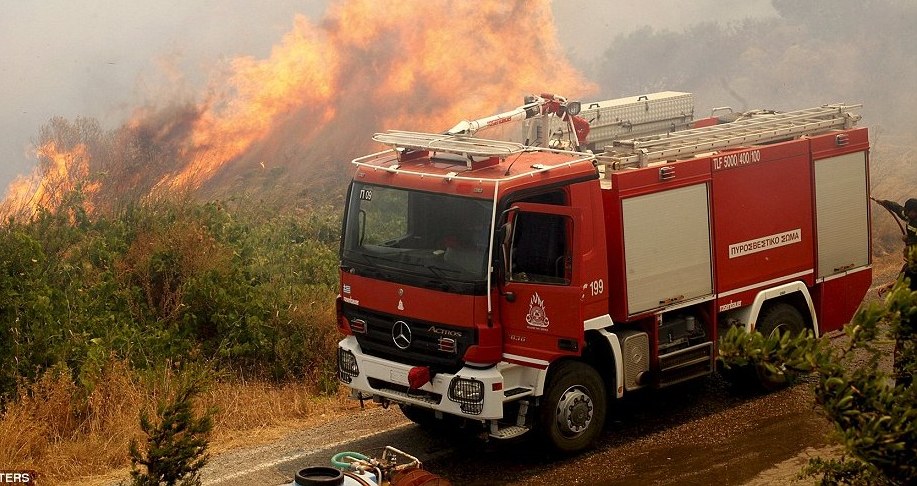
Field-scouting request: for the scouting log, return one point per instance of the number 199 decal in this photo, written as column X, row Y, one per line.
column 597, row 286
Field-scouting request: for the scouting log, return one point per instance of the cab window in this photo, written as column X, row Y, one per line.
column 540, row 249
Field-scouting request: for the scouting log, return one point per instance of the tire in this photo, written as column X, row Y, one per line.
column 423, row 417
column 426, row 418
column 779, row 318
column 572, row 411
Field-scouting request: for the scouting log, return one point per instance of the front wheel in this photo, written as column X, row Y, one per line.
column 426, row 418
column 423, row 417
column 572, row 411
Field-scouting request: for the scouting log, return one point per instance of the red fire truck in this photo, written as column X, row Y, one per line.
column 523, row 282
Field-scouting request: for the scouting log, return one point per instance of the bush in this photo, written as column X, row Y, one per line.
column 874, row 413
column 241, row 289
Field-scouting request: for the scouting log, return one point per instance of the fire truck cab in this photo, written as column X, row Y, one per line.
column 523, row 286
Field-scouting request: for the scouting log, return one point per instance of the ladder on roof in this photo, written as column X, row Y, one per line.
column 455, row 144
column 756, row 129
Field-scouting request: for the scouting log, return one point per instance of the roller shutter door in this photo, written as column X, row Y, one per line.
column 842, row 220
column 667, row 247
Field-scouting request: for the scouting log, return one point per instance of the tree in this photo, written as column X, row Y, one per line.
column 176, row 442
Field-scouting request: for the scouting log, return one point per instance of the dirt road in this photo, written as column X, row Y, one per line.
column 699, row 433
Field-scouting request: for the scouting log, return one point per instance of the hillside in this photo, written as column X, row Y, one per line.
column 284, row 127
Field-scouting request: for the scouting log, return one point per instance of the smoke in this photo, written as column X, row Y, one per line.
column 810, row 53
column 289, row 115
column 100, row 59
column 293, row 119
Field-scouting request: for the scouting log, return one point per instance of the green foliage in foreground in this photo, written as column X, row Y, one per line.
column 244, row 290
column 874, row 413
column 176, row 442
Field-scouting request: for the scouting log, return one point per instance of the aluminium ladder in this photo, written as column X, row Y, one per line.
column 756, row 129
column 460, row 145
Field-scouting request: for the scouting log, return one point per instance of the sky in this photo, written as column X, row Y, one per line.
column 102, row 58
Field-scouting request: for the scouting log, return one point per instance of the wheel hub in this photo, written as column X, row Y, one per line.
column 574, row 411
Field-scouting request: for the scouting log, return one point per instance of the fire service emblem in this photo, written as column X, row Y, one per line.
column 537, row 316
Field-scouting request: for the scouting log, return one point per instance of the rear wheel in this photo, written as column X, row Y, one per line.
column 572, row 411
column 778, row 319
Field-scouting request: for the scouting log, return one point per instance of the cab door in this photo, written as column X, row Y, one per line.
column 541, row 302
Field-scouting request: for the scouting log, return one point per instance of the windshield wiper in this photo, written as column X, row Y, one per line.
column 353, row 255
column 443, row 278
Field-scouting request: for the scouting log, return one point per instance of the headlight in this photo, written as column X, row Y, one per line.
column 469, row 393
column 347, row 365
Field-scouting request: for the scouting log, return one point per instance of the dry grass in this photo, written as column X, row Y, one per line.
column 264, row 411
column 63, row 433
column 59, row 431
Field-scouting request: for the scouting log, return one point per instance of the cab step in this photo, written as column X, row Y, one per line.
column 517, row 393
column 508, row 432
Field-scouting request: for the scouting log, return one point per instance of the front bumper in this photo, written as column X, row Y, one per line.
column 447, row 393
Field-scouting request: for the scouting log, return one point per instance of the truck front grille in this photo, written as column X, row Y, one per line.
column 418, row 343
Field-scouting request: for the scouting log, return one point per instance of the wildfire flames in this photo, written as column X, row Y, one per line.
column 326, row 86
column 58, row 173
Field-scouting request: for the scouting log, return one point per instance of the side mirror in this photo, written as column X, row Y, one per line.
column 361, row 223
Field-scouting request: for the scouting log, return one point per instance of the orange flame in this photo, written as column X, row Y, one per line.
column 416, row 65
column 59, row 172
column 364, row 67
column 261, row 93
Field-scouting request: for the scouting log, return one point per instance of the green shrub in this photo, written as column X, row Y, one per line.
column 874, row 412
column 229, row 284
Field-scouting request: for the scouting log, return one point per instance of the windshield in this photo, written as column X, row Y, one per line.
column 433, row 236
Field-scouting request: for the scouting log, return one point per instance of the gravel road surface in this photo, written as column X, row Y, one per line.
column 698, row 433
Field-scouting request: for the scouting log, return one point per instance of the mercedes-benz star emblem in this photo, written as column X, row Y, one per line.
column 401, row 335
